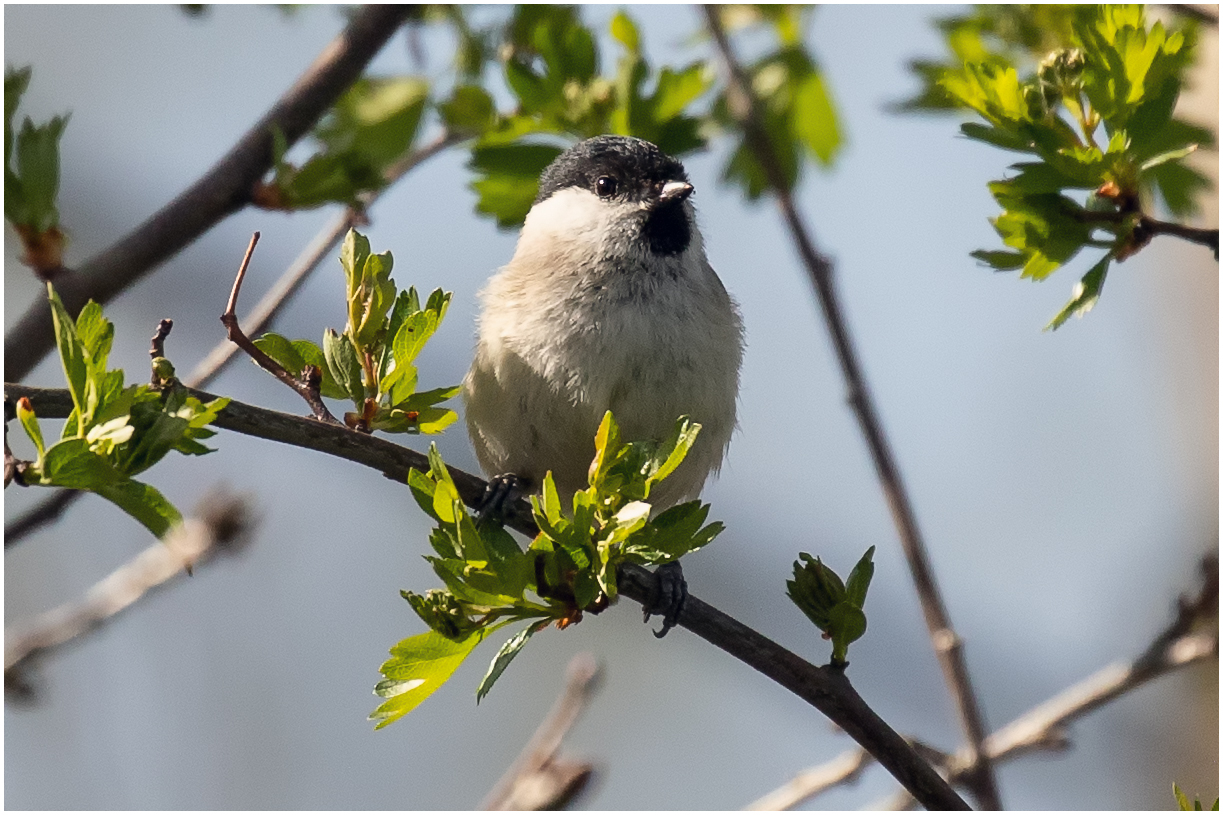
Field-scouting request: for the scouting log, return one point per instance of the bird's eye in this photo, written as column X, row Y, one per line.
column 605, row 186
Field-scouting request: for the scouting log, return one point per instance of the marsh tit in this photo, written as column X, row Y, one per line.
column 609, row 303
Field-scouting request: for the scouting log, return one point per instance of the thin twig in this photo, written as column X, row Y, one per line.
column 539, row 779
column 844, row 769
column 307, row 387
column 269, row 306
column 220, row 523
column 1201, row 12
column 223, row 190
column 947, row 645
column 829, row 691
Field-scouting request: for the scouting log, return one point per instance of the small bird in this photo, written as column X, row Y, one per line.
column 609, row 303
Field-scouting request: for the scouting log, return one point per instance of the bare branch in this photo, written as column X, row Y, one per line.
column 947, row 645
column 220, row 523
column 223, row 190
column 843, row 769
column 828, row 690
column 307, row 387
column 539, row 778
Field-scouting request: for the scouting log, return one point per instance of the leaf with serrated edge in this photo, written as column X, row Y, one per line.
column 418, row 666
column 506, row 655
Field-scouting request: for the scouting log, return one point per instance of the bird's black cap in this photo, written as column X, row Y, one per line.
column 638, row 166
column 635, row 171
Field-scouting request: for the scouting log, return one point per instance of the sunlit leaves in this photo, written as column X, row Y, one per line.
column 1089, row 91
column 568, row 570
column 372, row 363
column 114, row 432
column 835, row 607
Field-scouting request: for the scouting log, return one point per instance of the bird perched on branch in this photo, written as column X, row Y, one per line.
column 609, row 303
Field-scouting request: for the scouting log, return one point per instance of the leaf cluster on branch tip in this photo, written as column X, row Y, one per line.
column 1090, row 92
column 114, row 432
column 835, row 606
column 31, row 178
column 567, row 570
column 372, row 363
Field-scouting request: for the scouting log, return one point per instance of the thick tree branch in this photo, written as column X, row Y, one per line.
column 220, row 523
column 223, row 190
column 827, row 690
column 540, row 779
column 947, row 645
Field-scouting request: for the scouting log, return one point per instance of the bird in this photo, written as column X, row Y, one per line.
column 608, row 303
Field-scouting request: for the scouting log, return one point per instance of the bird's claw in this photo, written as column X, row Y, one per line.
column 499, row 495
column 670, row 594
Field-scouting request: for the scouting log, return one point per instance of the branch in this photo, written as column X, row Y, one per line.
column 827, row 690
column 947, row 645
column 307, row 387
column 220, row 524
column 324, row 243
column 539, row 779
column 1043, row 727
column 223, row 190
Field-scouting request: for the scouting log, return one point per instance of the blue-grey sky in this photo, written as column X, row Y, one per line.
column 1066, row 483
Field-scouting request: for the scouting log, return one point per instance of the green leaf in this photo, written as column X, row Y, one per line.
column 470, row 110
column 25, row 414
column 418, row 666
column 859, row 581
column 311, row 354
column 283, row 351
column 70, row 463
column 144, row 503
column 1086, row 293
column 506, row 655
column 71, row 351
column 508, row 178
column 343, row 364
column 815, row 119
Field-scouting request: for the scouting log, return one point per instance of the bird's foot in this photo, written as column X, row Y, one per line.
column 670, row 594
column 500, row 494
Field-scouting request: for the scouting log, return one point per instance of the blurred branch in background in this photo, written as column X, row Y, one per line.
column 1181, row 644
column 221, row 523
column 540, row 778
column 265, row 311
column 947, row 645
column 224, row 189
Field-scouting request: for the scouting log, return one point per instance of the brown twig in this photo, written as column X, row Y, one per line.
column 540, row 779
column 269, row 306
column 223, row 190
column 947, row 645
column 221, row 522
column 844, row 769
column 307, row 387
column 829, row 691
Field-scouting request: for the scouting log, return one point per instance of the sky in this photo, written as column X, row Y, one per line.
column 1066, row 483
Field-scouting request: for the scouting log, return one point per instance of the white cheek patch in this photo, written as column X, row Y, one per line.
column 567, row 214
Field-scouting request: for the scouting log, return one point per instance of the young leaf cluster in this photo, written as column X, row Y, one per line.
column 1096, row 115
column 372, row 363
column 114, row 432
column 31, row 177
column 568, row 569
column 834, row 606
column 371, row 127
column 797, row 108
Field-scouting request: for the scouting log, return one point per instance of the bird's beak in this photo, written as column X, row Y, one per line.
column 674, row 191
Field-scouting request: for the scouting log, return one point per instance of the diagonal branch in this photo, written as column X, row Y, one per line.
column 828, row 690
column 220, row 524
column 223, row 190
column 947, row 645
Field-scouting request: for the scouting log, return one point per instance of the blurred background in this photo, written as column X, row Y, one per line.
column 1067, row 483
